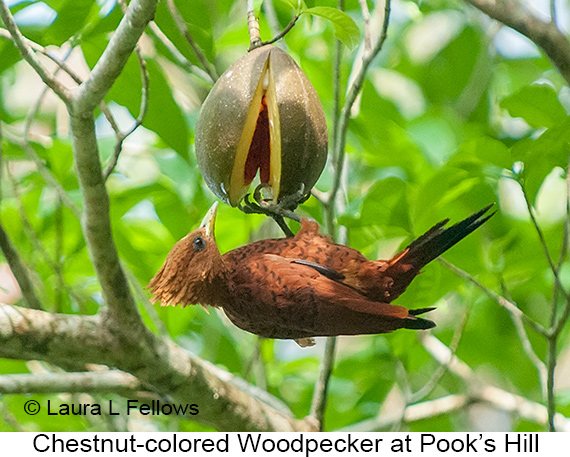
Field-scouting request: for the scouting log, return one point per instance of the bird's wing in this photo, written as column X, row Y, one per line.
column 322, row 269
column 288, row 298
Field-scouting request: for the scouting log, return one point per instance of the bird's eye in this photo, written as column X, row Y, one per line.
column 199, row 244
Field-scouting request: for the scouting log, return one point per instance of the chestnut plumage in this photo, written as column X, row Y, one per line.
column 303, row 286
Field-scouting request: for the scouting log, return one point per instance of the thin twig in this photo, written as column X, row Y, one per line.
column 551, row 360
column 40, row 49
column 1, row 160
column 529, row 351
column 366, row 18
column 556, row 329
column 553, row 12
column 183, row 29
column 272, row 21
column 145, row 78
column 328, row 203
column 39, row 248
column 508, row 305
column 319, row 196
column 46, row 174
column 71, row 73
column 284, row 32
column 33, row 111
column 556, row 290
column 340, row 139
column 320, row 394
column 556, row 326
column 58, row 255
column 318, row 403
column 28, row 54
column 442, row 369
column 18, row 270
column 544, row 245
column 177, row 55
column 252, row 27
column 527, row 345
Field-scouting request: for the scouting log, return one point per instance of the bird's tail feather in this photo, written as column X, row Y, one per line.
column 417, row 323
column 407, row 264
column 414, row 322
column 439, row 239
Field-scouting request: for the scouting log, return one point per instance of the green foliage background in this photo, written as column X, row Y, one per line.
column 445, row 113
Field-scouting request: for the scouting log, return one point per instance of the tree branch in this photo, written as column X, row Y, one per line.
column 545, row 34
column 145, row 78
column 340, row 139
column 108, row 68
column 225, row 402
column 366, row 18
column 498, row 398
column 96, row 223
column 94, row 382
column 28, row 54
column 508, row 305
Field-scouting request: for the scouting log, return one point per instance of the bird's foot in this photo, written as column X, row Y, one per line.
column 285, row 208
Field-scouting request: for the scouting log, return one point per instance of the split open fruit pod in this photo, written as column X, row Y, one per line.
column 262, row 115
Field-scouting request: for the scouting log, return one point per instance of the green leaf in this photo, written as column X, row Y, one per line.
column 542, row 154
column 345, row 29
column 537, row 104
column 104, row 25
column 70, row 19
column 164, row 116
column 197, row 17
column 297, row 5
column 9, row 55
column 386, row 204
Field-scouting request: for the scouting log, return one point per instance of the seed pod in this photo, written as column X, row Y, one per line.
column 262, row 114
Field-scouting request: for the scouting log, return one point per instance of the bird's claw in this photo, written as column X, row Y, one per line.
column 283, row 209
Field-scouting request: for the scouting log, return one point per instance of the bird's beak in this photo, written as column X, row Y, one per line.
column 209, row 220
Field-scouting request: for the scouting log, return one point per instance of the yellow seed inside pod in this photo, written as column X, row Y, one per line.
column 259, row 147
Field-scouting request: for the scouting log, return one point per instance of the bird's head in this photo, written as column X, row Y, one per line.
column 190, row 268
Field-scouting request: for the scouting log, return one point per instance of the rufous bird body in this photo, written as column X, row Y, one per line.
column 303, row 286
